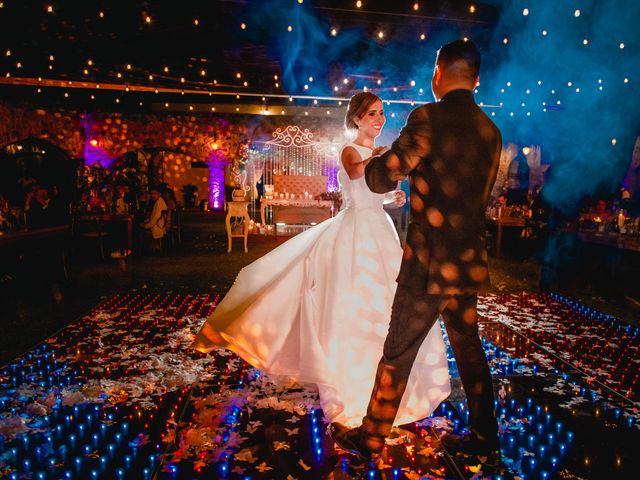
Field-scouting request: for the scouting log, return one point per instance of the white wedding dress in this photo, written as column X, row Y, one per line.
column 317, row 308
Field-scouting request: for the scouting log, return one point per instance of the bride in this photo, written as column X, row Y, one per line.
column 317, row 307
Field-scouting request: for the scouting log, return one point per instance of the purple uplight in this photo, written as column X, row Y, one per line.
column 216, row 161
column 93, row 151
column 331, row 172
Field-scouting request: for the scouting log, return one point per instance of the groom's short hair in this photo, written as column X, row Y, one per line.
column 460, row 58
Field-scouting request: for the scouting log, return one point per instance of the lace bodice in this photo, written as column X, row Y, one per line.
column 356, row 193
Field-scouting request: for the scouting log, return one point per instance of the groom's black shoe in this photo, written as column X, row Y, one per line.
column 471, row 444
column 352, row 441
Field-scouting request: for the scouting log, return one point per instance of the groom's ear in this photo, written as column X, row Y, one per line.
column 437, row 73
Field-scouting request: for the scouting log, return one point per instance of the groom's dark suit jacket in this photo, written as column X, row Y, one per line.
column 450, row 150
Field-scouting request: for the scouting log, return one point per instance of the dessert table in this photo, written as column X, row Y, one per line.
column 301, row 203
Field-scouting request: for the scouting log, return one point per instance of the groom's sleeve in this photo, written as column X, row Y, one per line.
column 414, row 143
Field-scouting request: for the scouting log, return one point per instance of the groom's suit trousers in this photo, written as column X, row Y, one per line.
column 412, row 316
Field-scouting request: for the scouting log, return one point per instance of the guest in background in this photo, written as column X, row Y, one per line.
column 157, row 220
column 35, row 206
column 58, row 210
column 601, row 212
column 169, row 197
column 121, row 199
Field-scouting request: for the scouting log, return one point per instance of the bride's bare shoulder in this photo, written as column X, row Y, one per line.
column 352, row 162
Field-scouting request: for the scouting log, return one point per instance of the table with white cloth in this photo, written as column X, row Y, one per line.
column 296, row 210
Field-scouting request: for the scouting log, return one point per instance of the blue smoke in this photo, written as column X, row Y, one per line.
column 555, row 91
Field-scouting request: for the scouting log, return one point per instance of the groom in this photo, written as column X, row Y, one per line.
column 450, row 151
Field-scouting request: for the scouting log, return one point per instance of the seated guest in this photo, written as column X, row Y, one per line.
column 35, row 207
column 157, row 221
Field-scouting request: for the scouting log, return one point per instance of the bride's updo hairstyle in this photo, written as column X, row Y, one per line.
column 358, row 106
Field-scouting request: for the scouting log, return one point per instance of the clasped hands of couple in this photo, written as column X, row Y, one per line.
column 399, row 197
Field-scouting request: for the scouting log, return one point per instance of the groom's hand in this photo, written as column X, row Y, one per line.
column 400, row 198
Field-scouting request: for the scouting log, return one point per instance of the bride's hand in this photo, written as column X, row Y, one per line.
column 379, row 151
column 400, row 198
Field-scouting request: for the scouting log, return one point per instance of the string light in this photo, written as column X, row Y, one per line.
column 622, row 45
column 525, row 12
column 422, row 36
column 147, row 19
column 358, row 4
column 243, row 26
column 472, row 9
column 334, row 32
column 576, row 13
column 380, row 34
column 49, row 8
column 196, row 22
column 290, row 28
column 416, row 7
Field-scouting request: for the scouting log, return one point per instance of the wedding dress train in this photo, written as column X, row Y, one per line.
column 317, row 308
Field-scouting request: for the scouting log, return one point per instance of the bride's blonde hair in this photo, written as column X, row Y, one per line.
column 358, row 106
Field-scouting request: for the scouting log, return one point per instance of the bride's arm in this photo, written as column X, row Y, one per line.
column 353, row 162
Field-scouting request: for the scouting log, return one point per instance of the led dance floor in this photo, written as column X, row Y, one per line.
column 119, row 395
